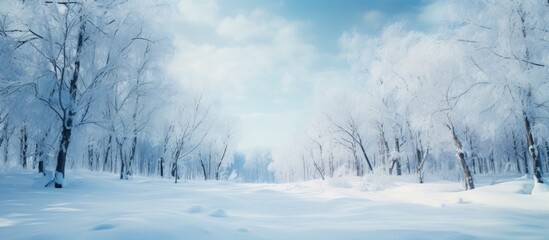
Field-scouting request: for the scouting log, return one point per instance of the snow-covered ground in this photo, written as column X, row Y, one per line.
column 99, row 206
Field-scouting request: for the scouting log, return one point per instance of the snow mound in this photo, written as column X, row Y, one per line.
column 105, row 226
column 380, row 182
column 6, row 222
column 195, row 209
column 150, row 208
column 516, row 186
column 219, row 213
column 61, row 209
column 340, row 183
column 540, row 189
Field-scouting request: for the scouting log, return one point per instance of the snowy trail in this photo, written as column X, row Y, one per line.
column 102, row 207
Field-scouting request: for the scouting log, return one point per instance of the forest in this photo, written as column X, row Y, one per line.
column 84, row 86
column 469, row 98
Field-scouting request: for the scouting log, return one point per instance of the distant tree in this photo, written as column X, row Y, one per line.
column 350, row 129
column 189, row 132
column 214, row 154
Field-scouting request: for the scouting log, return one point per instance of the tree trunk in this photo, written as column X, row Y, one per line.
column 395, row 160
column 134, row 138
column 422, row 158
column 546, row 156
column 515, row 149
column 358, row 164
column 132, row 155
column 164, row 150
column 175, row 165
column 366, row 156
column 492, row 162
column 41, row 167
column 123, row 165
column 161, row 166
column 218, row 167
column 384, row 146
column 107, row 152
column 39, row 154
column 68, row 116
column 473, row 154
column 408, row 164
column 536, row 171
column 62, row 154
column 4, row 140
column 203, row 169
column 467, row 177
column 24, row 146
column 122, row 168
column 319, row 169
column 175, row 172
column 7, row 143
column 525, row 157
column 91, row 156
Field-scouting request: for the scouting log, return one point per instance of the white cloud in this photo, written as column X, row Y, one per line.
column 251, row 60
column 247, row 51
column 199, row 11
column 257, row 24
column 433, row 13
column 373, row 19
column 442, row 11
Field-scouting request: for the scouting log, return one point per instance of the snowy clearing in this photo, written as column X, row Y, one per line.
column 95, row 206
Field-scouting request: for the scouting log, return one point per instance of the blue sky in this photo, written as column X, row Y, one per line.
column 265, row 60
column 330, row 18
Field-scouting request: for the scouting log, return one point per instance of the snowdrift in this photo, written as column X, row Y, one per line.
column 99, row 206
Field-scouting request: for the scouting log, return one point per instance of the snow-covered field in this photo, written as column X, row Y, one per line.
column 94, row 206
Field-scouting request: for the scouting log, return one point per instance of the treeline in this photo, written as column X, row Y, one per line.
column 470, row 96
column 84, row 84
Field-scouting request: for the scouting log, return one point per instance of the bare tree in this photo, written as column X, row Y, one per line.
column 165, row 141
column 225, row 145
column 351, row 130
column 190, row 131
column 351, row 146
